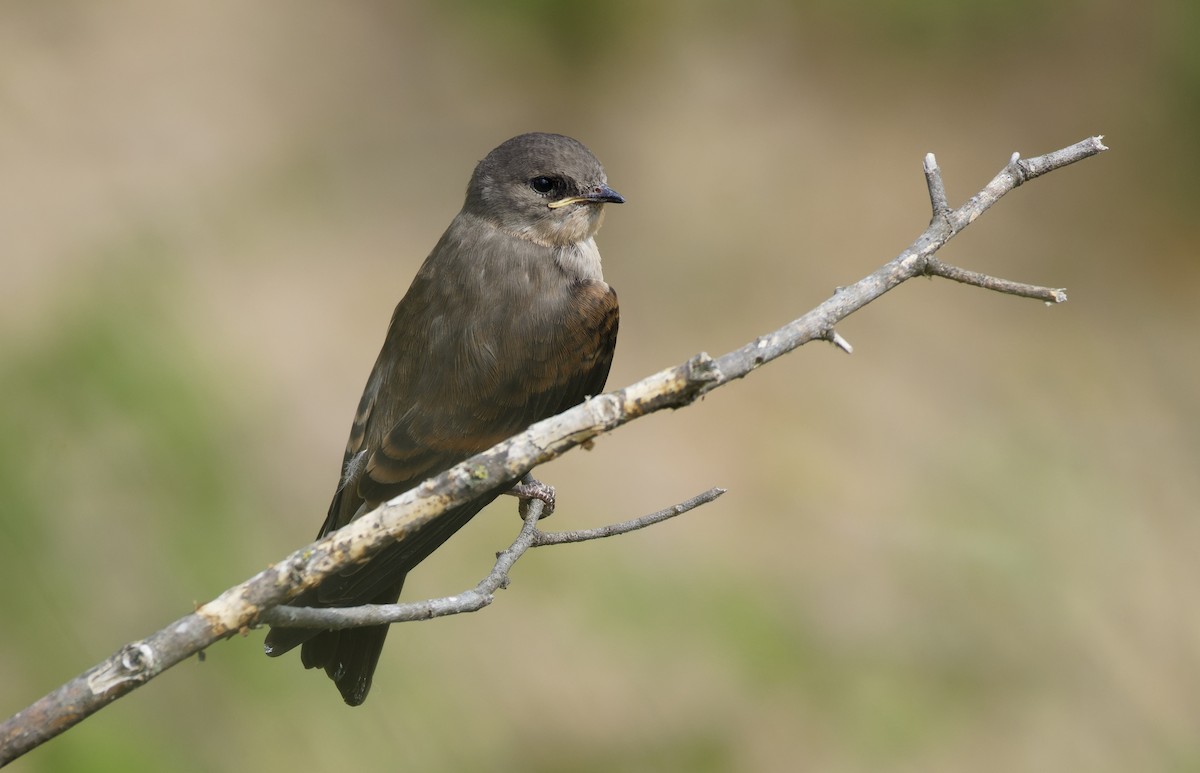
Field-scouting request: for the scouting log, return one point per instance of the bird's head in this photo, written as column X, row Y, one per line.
column 546, row 188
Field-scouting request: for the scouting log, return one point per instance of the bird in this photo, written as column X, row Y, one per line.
column 508, row 321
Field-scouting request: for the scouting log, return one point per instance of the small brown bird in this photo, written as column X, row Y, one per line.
column 507, row 322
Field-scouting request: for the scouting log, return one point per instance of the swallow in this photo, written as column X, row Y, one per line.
column 507, row 322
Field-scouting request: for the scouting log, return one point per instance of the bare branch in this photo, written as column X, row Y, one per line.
column 244, row 605
column 472, row 600
column 482, row 594
column 935, row 267
column 836, row 339
column 937, row 188
column 584, row 535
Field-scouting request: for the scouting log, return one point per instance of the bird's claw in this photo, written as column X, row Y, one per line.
column 529, row 488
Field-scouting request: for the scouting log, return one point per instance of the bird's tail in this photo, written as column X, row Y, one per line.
column 349, row 656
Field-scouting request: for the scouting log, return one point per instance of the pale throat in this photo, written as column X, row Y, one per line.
column 580, row 260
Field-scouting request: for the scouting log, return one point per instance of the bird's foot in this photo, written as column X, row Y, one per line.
column 530, row 488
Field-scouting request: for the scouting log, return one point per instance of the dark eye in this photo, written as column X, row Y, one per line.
column 543, row 185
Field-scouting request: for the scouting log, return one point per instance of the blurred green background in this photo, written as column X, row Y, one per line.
column 972, row 545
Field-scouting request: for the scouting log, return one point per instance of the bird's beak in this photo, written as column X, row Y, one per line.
column 601, row 195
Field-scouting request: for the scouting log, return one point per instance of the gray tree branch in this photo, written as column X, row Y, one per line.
column 247, row 604
column 482, row 594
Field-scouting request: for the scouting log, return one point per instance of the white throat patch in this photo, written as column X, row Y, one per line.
column 580, row 260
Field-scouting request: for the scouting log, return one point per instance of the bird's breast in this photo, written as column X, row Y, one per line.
column 580, row 261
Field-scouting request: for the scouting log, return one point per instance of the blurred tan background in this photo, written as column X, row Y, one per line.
column 972, row 545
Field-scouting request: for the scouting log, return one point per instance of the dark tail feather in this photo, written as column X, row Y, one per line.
column 281, row 640
column 349, row 656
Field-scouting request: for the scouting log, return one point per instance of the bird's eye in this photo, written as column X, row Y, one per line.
column 543, row 185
